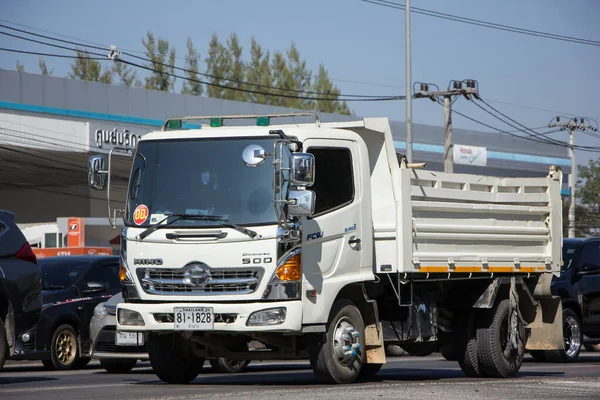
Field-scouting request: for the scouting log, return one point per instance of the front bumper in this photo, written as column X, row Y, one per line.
column 153, row 313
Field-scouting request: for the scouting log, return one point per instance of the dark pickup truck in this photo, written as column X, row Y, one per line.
column 20, row 289
column 579, row 288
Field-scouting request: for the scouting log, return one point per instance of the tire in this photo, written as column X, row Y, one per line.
column 64, row 351
column 573, row 335
column 538, row 355
column 492, row 342
column 172, row 359
column 394, row 350
column 465, row 347
column 330, row 362
column 3, row 345
column 118, row 366
column 227, row 365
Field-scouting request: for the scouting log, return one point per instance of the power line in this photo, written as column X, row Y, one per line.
column 486, row 24
column 388, row 98
column 527, row 131
column 49, row 44
column 340, row 97
column 52, row 55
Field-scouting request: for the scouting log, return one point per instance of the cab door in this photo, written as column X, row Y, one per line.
column 588, row 272
column 332, row 238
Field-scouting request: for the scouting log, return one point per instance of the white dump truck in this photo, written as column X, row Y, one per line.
column 319, row 241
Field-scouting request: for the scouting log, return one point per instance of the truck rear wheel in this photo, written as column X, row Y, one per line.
column 465, row 344
column 497, row 356
column 337, row 356
column 227, row 365
column 172, row 359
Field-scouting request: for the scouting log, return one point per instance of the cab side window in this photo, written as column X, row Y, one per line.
column 334, row 182
column 590, row 254
column 106, row 274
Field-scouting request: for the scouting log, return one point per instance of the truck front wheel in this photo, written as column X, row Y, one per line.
column 172, row 359
column 338, row 355
column 498, row 355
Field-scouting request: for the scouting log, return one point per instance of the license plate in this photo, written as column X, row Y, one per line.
column 129, row 339
column 194, row 318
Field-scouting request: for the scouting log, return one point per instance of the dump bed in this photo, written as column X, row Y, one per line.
column 435, row 222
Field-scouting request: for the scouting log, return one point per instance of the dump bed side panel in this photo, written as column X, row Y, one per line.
column 471, row 223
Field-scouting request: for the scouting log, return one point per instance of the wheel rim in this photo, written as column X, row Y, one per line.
column 345, row 341
column 572, row 335
column 66, row 347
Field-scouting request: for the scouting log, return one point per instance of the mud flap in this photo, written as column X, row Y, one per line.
column 374, row 344
column 546, row 331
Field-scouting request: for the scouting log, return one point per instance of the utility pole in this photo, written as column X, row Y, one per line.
column 572, row 125
column 408, row 84
column 448, row 148
column 454, row 89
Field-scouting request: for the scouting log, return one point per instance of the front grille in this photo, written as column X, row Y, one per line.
column 106, row 343
column 222, row 281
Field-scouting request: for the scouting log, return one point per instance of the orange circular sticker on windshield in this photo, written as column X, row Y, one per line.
column 140, row 214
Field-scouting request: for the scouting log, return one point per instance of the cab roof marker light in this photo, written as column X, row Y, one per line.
column 263, row 121
column 216, row 122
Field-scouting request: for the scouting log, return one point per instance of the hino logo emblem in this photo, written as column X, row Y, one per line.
column 147, row 261
column 197, row 275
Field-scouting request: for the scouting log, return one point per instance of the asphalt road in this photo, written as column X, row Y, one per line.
column 402, row 378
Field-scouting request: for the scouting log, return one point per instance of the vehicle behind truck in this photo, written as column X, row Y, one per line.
column 320, row 242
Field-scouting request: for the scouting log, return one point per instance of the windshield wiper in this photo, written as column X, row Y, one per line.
column 195, row 217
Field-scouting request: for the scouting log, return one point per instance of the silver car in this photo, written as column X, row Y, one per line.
column 118, row 353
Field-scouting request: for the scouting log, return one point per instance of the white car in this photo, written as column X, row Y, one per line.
column 119, row 354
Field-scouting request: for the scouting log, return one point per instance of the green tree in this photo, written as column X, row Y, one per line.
column 282, row 80
column 86, row 69
column 581, row 216
column 237, row 70
column 324, row 85
column 258, row 72
column 191, row 64
column 300, row 79
column 20, row 67
column 44, row 68
column 587, row 191
column 126, row 76
column 218, row 64
column 162, row 63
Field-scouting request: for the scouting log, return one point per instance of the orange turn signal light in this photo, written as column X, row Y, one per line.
column 291, row 270
column 122, row 272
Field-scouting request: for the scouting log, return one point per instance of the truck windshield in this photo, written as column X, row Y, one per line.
column 200, row 177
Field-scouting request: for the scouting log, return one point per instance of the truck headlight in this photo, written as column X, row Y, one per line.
column 130, row 318
column 286, row 281
column 270, row 316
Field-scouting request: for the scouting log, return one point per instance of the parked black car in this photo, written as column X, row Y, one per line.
column 20, row 289
column 579, row 288
column 72, row 286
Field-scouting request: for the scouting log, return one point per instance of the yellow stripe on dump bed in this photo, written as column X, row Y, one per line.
column 433, row 269
column 467, row 269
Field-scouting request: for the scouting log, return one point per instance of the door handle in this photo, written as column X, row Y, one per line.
column 354, row 243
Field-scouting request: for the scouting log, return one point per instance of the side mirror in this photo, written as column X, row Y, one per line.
column 95, row 287
column 301, row 203
column 97, row 173
column 302, row 169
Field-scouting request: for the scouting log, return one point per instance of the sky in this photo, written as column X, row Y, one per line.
column 362, row 45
